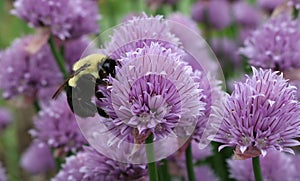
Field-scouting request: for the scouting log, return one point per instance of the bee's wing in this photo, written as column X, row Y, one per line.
column 61, row 87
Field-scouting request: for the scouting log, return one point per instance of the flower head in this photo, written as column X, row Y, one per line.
column 275, row 166
column 76, row 49
column 91, row 165
column 152, row 91
column 214, row 12
column 262, row 113
column 57, row 126
column 5, row 118
column 23, row 73
column 245, row 14
column 139, row 32
column 269, row 5
column 275, row 44
column 37, row 158
column 66, row 19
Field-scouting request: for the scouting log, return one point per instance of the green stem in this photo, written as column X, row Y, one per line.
column 58, row 57
column 256, row 169
column 36, row 106
column 164, row 171
column 152, row 169
column 189, row 163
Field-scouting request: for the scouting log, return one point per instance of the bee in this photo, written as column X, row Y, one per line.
column 88, row 73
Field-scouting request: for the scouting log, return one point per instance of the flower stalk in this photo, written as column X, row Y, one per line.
column 152, row 168
column 257, row 169
column 189, row 163
column 58, row 57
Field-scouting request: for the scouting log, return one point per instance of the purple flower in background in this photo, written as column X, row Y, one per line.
column 275, row 166
column 213, row 97
column 226, row 50
column 34, row 75
column 275, row 44
column 5, row 118
column 215, row 12
column 66, row 19
column 152, row 91
column 262, row 113
column 76, row 49
column 72, row 168
column 183, row 20
column 196, row 51
column 269, row 5
column 204, row 173
column 91, row 165
column 138, row 32
column 57, row 126
column 246, row 15
column 2, row 173
column 37, row 158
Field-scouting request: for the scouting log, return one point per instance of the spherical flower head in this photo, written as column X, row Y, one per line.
column 214, row 12
column 269, row 5
column 262, row 113
column 5, row 118
column 213, row 97
column 183, row 20
column 275, row 166
column 91, row 165
column 57, row 126
column 245, row 14
column 2, row 173
column 188, row 32
column 37, row 158
column 275, row 44
column 137, row 32
column 157, row 93
column 23, row 73
column 66, row 19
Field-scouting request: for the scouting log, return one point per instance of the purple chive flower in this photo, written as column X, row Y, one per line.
column 296, row 161
column 215, row 12
column 76, row 49
column 204, row 173
column 262, row 113
column 91, row 165
column 37, row 158
column 227, row 50
column 23, row 73
column 213, row 97
column 5, row 118
column 188, row 32
column 275, row 44
column 152, row 91
column 57, row 126
column 2, row 173
column 65, row 19
column 275, row 166
column 246, row 15
column 139, row 32
column 269, row 5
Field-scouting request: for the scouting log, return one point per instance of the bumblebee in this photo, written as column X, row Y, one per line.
column 88, row 73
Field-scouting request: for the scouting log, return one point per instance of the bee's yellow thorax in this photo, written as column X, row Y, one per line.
column 92, row 61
